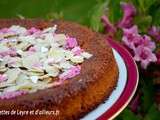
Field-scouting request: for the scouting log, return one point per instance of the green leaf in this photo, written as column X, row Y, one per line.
column 146, row 4
column 142, row 5
column 73, row 10
column 153, row 113
column 154, row 11
column 144, row 23
column 97, row 12
column 114, row 11
column 128, row 115
column 148, row 93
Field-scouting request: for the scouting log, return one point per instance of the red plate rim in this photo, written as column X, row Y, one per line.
column 131, row 86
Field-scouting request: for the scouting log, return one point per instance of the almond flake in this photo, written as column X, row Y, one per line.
column 77, row 59
column 86, row 55
column 34, row 79
column 44, row 49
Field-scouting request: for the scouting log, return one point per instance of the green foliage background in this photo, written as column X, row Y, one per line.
column 75, row 10
column 89, row 12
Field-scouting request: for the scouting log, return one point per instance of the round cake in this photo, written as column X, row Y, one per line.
column 73, row 88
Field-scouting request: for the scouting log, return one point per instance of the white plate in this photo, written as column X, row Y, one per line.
column 122, row 80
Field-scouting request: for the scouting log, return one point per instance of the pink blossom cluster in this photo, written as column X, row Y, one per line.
column 141, row 45
column 126, row 22
column 129, row 13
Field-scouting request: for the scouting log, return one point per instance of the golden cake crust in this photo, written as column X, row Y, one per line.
column 78, row 95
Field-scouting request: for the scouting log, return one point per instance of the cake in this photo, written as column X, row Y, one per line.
column 66, row 92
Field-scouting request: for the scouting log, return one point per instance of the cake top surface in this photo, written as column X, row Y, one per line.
column 92, row 70
column 33, row 59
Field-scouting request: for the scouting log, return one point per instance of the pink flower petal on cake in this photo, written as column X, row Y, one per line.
column 72, row 72
column 77, row 50
column 37, row 65
column 109, row 27
column 9, row 95
column 71, row 42
column 11, row 52
column 32, row 30
column 3, row 77
column 129, row 12
column 4, row 30
column 32, row 49
column 3, row 53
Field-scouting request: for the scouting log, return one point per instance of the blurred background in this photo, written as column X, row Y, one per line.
column 75, row 10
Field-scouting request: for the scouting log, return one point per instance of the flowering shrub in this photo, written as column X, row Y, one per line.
column 141, row 38
column 141, row 45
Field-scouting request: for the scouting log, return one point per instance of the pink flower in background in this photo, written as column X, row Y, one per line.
column 147, row 42
column 109, row 27
column 132, row 30
column 126, row 22
column 130, row 36
column 129, row 12
column 71, row 42
column 132, row 39
column 3, row 77
column 155, row 32
column 144, row 55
